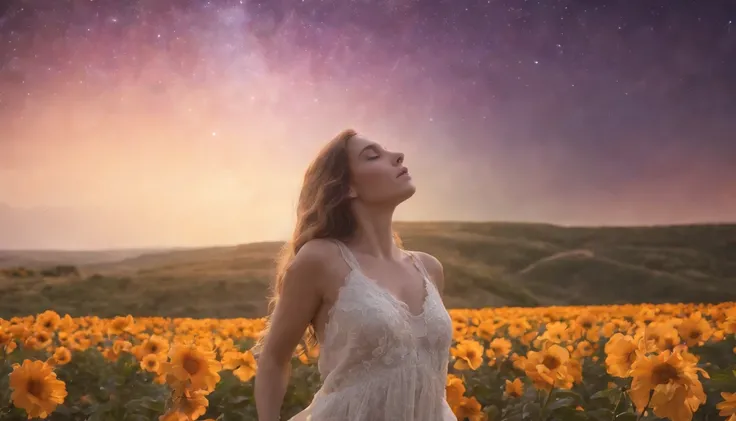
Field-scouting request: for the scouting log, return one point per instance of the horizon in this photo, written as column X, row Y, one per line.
column 155, row 248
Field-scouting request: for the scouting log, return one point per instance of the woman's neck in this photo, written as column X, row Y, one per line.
column 375, row 235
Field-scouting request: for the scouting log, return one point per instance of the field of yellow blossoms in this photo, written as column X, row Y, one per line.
column 597, row 363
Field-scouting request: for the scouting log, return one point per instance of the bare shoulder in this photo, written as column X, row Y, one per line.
column 314, row 256
column 316, row 252
column 434, row 268
column 302, row 291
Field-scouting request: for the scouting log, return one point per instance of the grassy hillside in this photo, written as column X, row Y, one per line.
column 486, row 264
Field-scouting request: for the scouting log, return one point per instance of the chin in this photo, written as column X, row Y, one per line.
column 406, row 193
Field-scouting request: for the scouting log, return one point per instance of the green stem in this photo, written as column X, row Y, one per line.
column 618, row 402
column 546, row 402
column 651, row 393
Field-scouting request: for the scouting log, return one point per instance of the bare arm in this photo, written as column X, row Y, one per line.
column 435, row 270
column 300, row 299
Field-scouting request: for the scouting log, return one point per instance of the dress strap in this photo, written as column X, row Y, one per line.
column 418, row 264
column 347, row 255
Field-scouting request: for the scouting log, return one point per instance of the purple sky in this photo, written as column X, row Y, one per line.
column 143, row 123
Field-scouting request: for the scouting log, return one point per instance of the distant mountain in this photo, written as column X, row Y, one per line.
column 486, row 264
column 92, row 227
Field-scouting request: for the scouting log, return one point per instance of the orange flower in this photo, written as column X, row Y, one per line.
column 548, row 368
column 454, row 389
column 49, row 321
column 727, row 406
column 621, row 354
column 514, row 389
column 188, row 406
column 468, row 355
column 151, row 363
column 119, row 325
column 61, row 356
column 193, row 364
column 672, row 377
column 469, row 408
column 695, row 330
column 36, row 389
column 486, row 329
column 243, row 364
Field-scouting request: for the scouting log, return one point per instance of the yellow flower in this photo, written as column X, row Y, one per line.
column 514, row 389
column 151, row 363
column 154, row 345
column 548, row 368
column 243, row 364
column 454, row 389
column 662, row 335
column 695, row 330
column 119, row 325
column 556, row 332
column 575, row 370
column 49, row 321
column 61, row 356
column 583, row 349
column 586, row 326
column 518, row 327
column 499, row 348
column 192, row 404
column 459, row 328
column 311, row 354
column 469, row 408
column 673, row 378
column 486, row 329
column 727, row 406
column 468, row 355
column 193, row 364
column 729, row 325
column 36, row 388
column 38, row 340
column 621, row 354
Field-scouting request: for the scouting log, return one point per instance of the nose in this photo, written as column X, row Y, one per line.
column 399, row 158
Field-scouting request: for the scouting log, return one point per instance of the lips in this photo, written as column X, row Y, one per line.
column 403, row 171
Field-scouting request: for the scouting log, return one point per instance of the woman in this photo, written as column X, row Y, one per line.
column 375, row 309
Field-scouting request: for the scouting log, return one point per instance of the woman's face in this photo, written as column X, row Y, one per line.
column 378, row 175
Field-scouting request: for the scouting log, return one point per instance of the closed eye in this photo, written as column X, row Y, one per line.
column 371, row 151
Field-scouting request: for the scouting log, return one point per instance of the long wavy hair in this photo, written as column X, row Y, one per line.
column 323, row 211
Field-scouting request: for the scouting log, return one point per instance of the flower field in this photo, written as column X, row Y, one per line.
column 601, row 363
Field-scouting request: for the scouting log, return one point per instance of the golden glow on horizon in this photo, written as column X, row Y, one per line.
column 145, row 155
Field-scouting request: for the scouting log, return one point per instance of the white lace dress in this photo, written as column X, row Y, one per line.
column 378, row 361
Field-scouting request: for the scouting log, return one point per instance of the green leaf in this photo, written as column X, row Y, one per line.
column 239, row 399
column 600, row 414
column 570, row 414
column 492, row 412
column 63, row 410
column 531, row 410
column 626, row 416
column 100, row 412
column 560, row 403
column 136, row 417
column 514, row 417
column 562, row 393
column 611, row 394
column 145, row 403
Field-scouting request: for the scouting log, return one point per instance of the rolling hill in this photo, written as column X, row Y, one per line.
column 486, row 264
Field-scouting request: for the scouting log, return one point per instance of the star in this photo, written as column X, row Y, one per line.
column 444, row 75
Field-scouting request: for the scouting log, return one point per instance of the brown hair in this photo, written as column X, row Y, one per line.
column 323, row 211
